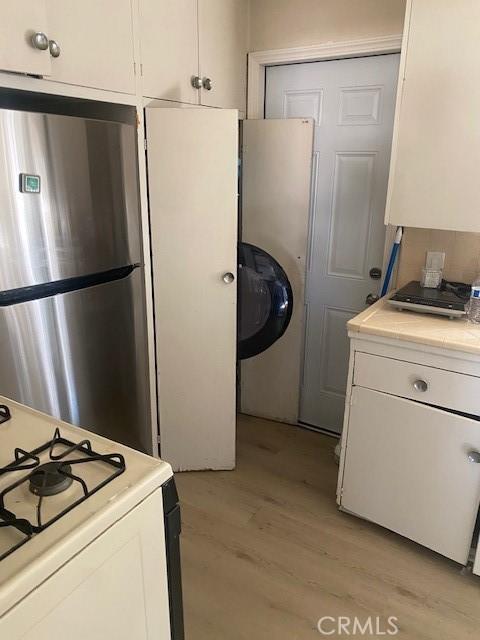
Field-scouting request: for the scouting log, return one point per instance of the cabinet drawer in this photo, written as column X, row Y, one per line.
column 447, row 389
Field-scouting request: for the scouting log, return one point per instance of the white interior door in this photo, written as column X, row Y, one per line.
column 277, row 167
column 192, row 175
column 352, row 102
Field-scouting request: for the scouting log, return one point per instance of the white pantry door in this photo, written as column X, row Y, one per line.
column 192, row 177
column 352, row 102
column 277, row 168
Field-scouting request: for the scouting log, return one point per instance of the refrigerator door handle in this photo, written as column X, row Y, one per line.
column 39, row 291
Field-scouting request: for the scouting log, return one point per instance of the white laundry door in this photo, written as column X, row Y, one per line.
column 192, row 178
column 352, row 102
column 277, row 168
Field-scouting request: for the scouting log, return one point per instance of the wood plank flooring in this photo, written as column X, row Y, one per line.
column 266, row 553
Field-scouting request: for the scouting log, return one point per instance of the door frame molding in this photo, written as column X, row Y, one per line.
column 258, row 61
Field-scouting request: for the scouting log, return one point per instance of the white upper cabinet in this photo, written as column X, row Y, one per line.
column 223, row 30
column 436, row 146
column 188, row 51
column 169, row 45
column 95, row 41
column 24, row 37
column 195, row 51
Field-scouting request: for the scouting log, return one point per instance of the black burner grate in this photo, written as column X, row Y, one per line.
column 30, row 461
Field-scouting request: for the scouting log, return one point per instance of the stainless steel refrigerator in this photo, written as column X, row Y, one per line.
column 72, row 303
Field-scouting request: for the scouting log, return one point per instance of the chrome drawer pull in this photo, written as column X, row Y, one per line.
column 420, row 385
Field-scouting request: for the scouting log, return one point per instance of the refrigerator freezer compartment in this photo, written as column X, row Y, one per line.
column 68, row 197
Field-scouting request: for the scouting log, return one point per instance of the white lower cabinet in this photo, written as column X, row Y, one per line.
column 406, row 467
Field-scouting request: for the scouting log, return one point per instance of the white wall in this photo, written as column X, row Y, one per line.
column 279, row 24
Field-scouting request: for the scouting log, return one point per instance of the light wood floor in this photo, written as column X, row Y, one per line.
column 266, row 553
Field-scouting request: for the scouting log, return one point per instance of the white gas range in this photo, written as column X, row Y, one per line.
column 89, row 535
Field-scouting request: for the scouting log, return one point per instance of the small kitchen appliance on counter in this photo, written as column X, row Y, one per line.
column 89, row 535
column 447, row 300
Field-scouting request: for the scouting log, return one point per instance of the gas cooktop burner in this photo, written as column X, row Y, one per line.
column 49, row 470
column 50, row 478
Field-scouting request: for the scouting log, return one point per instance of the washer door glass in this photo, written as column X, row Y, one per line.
column 265, row 300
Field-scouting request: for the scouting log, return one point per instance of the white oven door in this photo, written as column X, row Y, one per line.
column 115, row 588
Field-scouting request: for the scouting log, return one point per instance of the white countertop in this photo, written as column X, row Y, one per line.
column 382, row 319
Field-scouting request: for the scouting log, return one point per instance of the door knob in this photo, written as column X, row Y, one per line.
column 54, row 48
column 473, row 456
column 420, row 385
column 207, row 84
column 40, row 41
column 196, row 82
column 375, row 273
column 228, row 277
column 371, row 298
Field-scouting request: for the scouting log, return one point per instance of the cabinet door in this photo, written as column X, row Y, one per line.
column 169, row 45
column 192, row 173
column 19, row 21
column 407, row 469
column 223, row 52
column 96, row 43
column 436, row 147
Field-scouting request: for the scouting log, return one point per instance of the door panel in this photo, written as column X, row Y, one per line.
column 19, row 21
column 169, row 43
column 407, row 469
column 352, row 104
column 96, row 42
column 192, row 169
column 277, row 167
column 223, row 32
column 80, row 357
column 85, row 219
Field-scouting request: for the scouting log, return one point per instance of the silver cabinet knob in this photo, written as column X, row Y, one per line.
column 196, row 82
column 207, row 84
column 474, row 456
column 228, row 277
column 371, row 298
column 54, row 48
column 40, row 41
column 420, row 385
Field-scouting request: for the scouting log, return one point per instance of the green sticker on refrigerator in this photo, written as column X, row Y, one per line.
column 29, row 183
